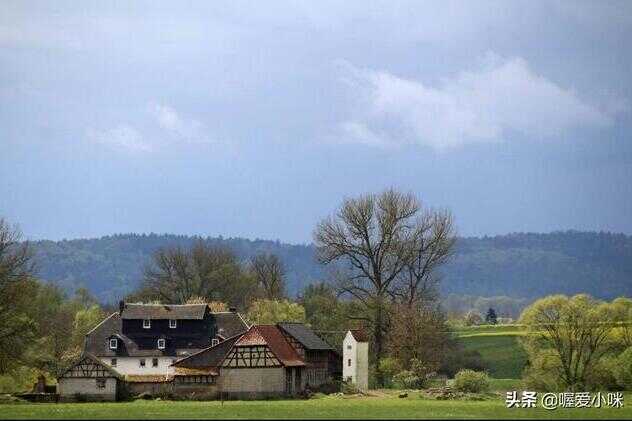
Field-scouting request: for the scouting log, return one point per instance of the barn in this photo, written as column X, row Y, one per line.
column 266, row 361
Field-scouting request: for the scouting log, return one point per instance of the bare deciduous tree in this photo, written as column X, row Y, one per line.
column 269, row 272
column 418, row 282
column 390, row 250
column 212, row 273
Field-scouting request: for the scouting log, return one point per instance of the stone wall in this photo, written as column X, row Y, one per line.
column 251, row 383
column 69, row 388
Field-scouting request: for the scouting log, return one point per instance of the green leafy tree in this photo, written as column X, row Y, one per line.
column 17, row 328
column 323, row 309
column 265, row 312
column 576, row 330
column 622, row 308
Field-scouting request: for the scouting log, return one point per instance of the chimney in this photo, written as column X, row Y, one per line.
column 121, row 307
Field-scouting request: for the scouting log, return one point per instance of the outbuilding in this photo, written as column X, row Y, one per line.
column 88, row 380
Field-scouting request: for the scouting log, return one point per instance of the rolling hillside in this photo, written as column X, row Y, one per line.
column 515, row 265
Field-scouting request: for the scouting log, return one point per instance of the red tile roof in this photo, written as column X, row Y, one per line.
column 360, row 335
column 271, row 335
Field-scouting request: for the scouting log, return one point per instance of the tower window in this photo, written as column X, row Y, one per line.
column 214, row 341
column 173, row 323
column 349, row 362
column 161, row 344
column 146, row 324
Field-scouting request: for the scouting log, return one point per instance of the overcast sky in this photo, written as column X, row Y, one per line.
column 256, row 119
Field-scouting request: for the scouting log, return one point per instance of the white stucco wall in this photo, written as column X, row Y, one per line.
column 131, row 365
column 349, row 349
column 358, row 370
column 69, row 387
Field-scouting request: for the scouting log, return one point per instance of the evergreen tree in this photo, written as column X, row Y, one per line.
column 491, row 317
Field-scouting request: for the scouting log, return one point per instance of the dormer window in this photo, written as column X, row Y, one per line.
column 173, row 323
column 146, row 324
column 161, row 344
column 113, row 343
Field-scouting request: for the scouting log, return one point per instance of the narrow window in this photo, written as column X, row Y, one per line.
column 161, row 344
column 146, row 324
column 141, row 362
column 113, row 362
column 100, row 383
column 173, row 323
column 349, row 362
column 214, row 341
column 154, row 362
column 113, row 343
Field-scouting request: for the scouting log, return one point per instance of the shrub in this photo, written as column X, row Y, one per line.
column 601, row 375
column 471, row 381
column 622, row 369
column 406, row 379
column 330, row 387
column 81, row 397
column 473, row 318
column 349, row 388
column 542, row 373
column 389, row 368
column 459, row 359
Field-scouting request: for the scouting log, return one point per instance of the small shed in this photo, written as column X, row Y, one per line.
column 90, row 380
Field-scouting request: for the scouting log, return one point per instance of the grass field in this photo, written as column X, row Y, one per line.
column 329, row 407
column 499, row 348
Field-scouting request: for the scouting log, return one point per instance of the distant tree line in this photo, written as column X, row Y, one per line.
column 520, row 266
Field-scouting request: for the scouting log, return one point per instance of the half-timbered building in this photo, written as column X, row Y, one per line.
column 140, row 343
column 188, row 350
column 89, row 379
column 266, row 361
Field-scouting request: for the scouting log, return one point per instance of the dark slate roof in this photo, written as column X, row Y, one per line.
column 305, row 336
column 144, row 344
column 269, row 335
column 229, row 323
column 209, row 357
column 164, row 311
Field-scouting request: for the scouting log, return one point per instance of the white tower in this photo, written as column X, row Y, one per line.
column 355, row 364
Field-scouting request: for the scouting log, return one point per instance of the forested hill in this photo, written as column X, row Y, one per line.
column 516, row 265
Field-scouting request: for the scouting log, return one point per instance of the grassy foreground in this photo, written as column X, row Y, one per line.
column 329, row 407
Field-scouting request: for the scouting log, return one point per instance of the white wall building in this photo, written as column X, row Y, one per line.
column 355, row 364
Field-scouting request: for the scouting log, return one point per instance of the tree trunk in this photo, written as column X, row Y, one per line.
column 379, row 341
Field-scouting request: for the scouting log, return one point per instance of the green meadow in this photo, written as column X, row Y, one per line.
column 499, row 348
column 382, row 407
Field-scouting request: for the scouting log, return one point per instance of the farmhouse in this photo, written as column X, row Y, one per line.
column 185, row 349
